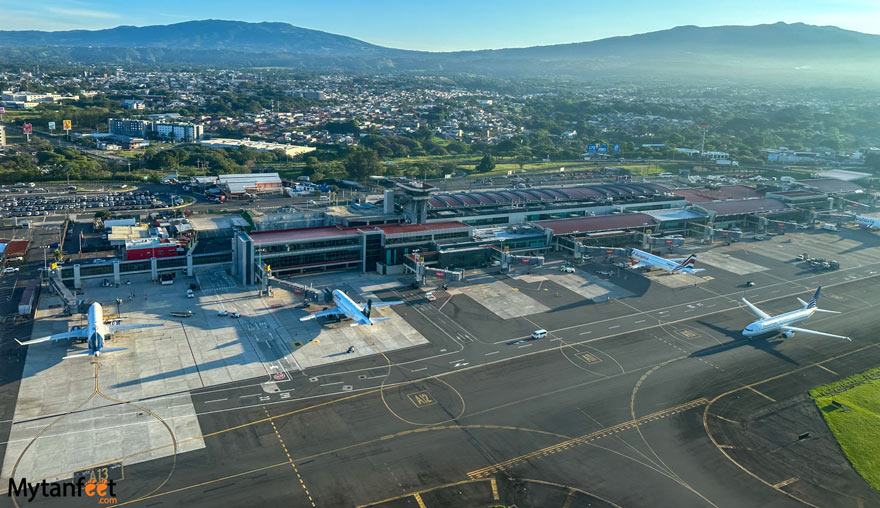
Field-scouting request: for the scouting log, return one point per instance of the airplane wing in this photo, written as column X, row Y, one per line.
column 814, row 332
column 639, row 265
column 326, row 312
column 122, row 328
column 692, row 270
column 758, row 312
column 377, row 305
column 72, row 334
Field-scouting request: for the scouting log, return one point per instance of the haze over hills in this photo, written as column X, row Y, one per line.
column 780, row 49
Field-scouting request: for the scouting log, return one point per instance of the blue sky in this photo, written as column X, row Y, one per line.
column 449, row 24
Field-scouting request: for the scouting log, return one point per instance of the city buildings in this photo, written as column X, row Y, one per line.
column 179, row 131
column 131, row 128
column 145, row 128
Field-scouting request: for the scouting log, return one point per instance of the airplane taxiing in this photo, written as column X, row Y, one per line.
column 783, row 322
column 673, row 265
column 345, row 306
column 95, row 333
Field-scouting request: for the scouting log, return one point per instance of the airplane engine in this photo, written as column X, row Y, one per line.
column 788, row 334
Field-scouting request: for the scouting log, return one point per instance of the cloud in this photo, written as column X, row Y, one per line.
column 83, row 13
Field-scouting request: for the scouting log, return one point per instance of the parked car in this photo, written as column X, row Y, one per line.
column 223, row 313
column 568, row 269
column 430, row 297
column 235, row 315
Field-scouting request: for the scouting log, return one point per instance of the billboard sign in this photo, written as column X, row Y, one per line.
column 616, row 148
column 591, row 148
column 603, row 148
column 27, row 128
column 65, row 124
column 609, row 251
column 439, row 275
column 51, row 126
column 524, row 261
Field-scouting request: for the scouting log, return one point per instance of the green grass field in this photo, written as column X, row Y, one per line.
column 856, row 426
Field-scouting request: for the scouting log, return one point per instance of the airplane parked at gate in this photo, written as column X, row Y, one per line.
column 868, row 222
column 783, row 322
column 95, row 333
column 673, row 265
column 345, row 306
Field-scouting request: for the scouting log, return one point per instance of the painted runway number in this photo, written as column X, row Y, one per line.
column 590, row 358
column 422, row 399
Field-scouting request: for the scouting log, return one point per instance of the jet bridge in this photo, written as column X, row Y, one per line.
column 69, row 299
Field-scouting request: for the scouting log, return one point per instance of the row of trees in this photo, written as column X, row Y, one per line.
column 189, row 159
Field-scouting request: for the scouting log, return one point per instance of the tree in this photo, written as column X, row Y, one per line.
column 522, row 160
column 57, row 254
column 362, row 163
column 487, row 163
column 872, row 160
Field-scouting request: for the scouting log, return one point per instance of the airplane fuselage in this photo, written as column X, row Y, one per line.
column 868, row 222
column 349, row 307
column 98, row 331
column 658, row 262
column 776, row 323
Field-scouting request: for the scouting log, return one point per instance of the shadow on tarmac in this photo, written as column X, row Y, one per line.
column 760, row 343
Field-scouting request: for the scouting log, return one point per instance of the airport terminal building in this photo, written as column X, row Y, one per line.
column 463, row 229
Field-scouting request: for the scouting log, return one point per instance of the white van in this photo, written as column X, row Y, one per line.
column 539, row 334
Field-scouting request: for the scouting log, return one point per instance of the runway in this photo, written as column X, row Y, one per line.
column 653, row 400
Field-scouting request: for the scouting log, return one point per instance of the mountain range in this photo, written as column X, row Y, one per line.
column 795, row 50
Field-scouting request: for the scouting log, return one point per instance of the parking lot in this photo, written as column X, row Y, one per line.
column 37, row 202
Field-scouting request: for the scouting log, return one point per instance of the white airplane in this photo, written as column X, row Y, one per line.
column 345, row 306
column 783, row 322
column 95, row 334
column 868, row 222
column 674, row 265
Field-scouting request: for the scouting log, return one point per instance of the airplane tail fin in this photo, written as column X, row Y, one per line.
column 814, row 300
column 689, row 262
column 368, row 308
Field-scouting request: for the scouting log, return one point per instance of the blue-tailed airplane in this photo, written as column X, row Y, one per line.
column 674, row 265
column 783, row 322
column 345, row 306
column 95, row 334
